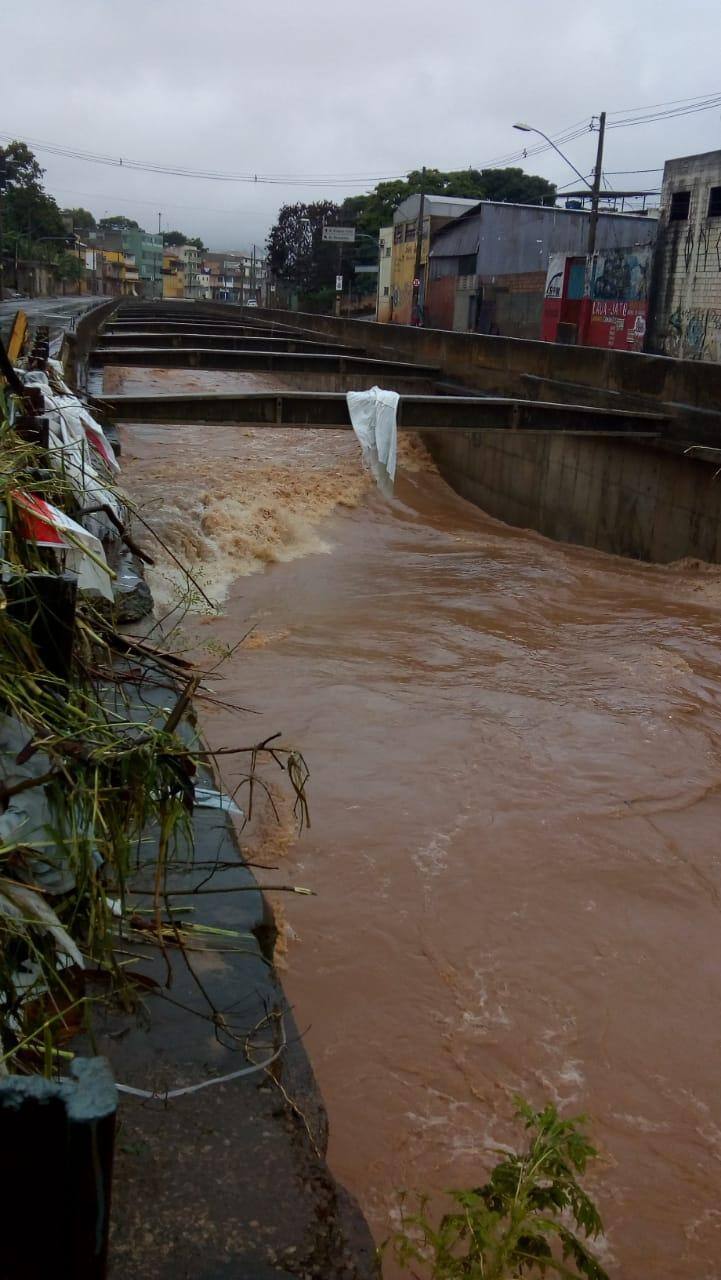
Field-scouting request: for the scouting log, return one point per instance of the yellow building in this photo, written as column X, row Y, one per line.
column 173, row 276
column 437, row 211
column 112, row 268
column 385, row 265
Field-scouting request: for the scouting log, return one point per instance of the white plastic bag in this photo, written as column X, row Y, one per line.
column 373, row 417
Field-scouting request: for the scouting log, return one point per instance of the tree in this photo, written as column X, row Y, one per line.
column 174, row 239
column 118, row 223
column 82, row 219
column 376, row 210
column 520, row 1222
column 296, row 249
column 28, row 211
column 19, row 166
column 69, row 267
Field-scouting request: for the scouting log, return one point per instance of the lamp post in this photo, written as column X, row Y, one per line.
column 595, row 187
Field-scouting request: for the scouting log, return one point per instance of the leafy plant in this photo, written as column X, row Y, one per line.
column 527, row 1219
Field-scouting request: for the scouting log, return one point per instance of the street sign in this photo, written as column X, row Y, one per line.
column 416, row 283
column 339, row 284
column 370, row 270
column 340, row 235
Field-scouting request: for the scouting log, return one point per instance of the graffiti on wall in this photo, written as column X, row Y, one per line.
column 621, row 275
column 694, row 333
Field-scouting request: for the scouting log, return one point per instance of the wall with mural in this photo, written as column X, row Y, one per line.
column 604, row 297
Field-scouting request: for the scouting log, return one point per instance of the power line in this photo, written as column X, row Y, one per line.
column 181, row 171
column 630, row 117
column 651, row 106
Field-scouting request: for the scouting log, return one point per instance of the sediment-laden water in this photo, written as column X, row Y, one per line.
column 515, row 749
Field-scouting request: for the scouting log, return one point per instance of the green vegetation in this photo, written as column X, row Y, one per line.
column 526, row 1220
column 29, row 214
column 82, row 219
column 173, row 240
column 95, row 781
column 118, row 222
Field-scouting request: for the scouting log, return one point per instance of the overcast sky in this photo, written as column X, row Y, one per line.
column 310, row 87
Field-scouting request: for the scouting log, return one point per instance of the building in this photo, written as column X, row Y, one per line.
column 173, row 275
column 189, row 257
column 685, row 310
column 385, row 256
column 112, row 271
column 489, row 266
column 437, row 211
column 142, row 257
column 204, row 282
column 226, row 272
column 599, row 300
column 237, row 276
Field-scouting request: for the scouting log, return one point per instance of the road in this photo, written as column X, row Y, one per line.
column 57, row 313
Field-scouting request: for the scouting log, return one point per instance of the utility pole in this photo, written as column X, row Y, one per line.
column 415, row 309
column 596, row 188
column 3, row 181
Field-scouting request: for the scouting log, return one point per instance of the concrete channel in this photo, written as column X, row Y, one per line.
column 625, row 462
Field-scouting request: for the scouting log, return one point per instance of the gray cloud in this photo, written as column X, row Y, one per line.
column 307, row 87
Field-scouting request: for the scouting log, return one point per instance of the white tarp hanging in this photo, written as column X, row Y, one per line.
column 373, row 416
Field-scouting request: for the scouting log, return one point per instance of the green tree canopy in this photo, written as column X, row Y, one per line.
column 83, row 219
column 174, row 239
column 373, row 211
column 118, row 223
column 29, row 212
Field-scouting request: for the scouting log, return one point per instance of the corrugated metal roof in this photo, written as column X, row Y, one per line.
column 438, row 206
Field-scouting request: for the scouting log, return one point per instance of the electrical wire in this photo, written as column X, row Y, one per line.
column 629, row 117
column 209, row 175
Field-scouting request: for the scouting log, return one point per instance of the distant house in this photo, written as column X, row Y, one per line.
column 235, row 275
column 488, row 267
column 173, row 275
column 685, row 313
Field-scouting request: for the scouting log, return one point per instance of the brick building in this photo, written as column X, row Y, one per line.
column 685, row 310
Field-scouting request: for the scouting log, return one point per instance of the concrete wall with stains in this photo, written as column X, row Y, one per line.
column 685, row 312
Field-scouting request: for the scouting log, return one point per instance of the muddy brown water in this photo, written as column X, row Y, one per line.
column 515, row 750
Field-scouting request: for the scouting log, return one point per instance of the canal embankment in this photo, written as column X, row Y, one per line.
column 654, row 500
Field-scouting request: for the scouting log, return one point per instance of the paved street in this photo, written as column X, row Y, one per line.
column 57, row 313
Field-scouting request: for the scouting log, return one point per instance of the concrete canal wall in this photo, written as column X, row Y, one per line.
column 631, row 498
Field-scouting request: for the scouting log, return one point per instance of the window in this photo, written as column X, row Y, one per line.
column 467, row 264
column 680, row 203
column 398, row 233
column 386, row 290
column 388, row 253
column 410, row 231
column 714, row 203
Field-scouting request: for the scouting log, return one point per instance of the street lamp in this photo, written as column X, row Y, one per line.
column 595, row 188
column 529, row 128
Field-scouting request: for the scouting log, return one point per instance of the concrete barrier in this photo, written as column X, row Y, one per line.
column 628, row 498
